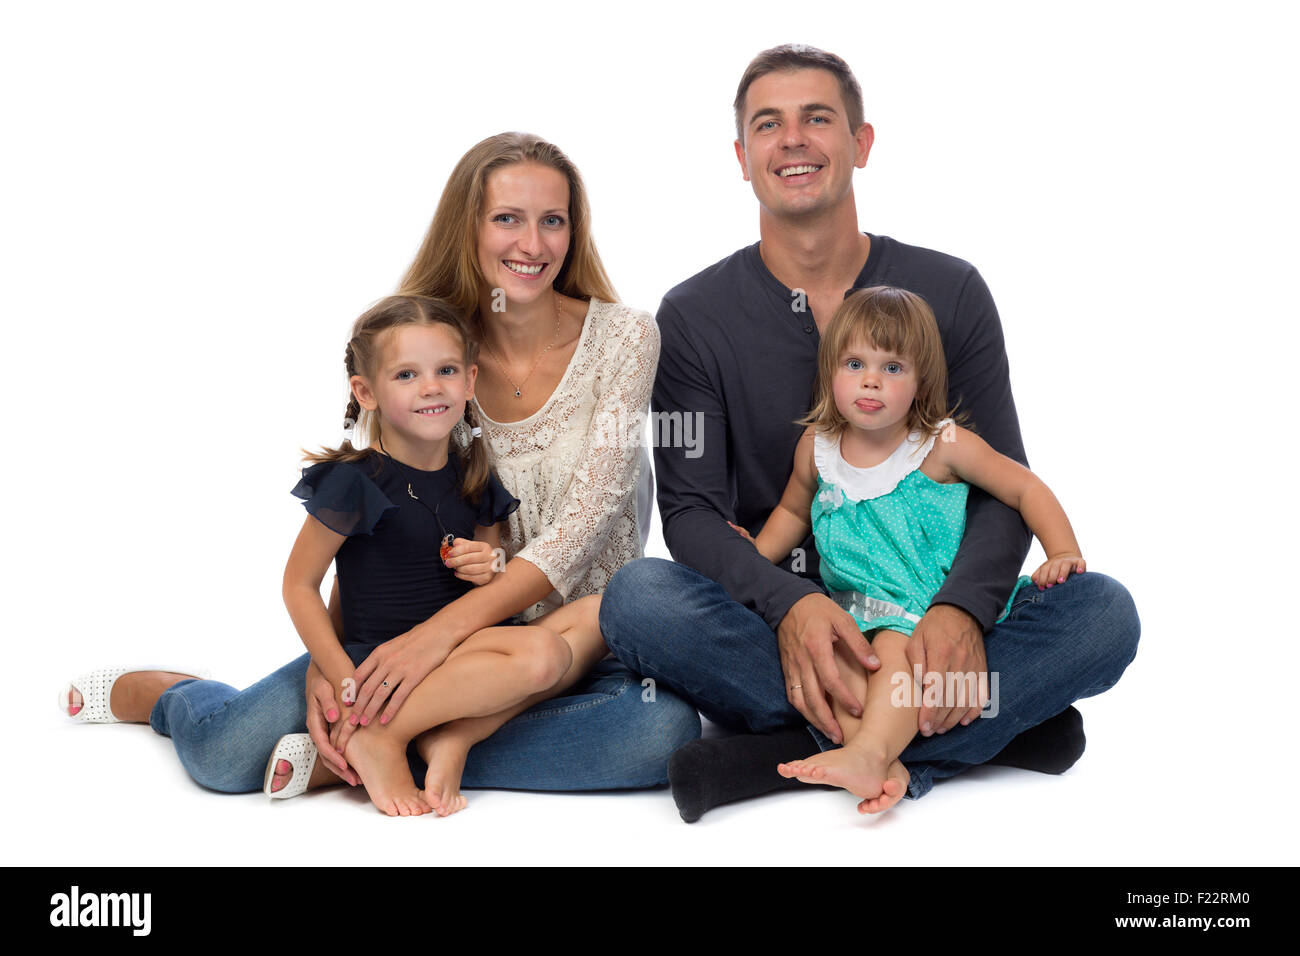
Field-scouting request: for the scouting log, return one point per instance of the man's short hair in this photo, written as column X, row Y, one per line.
column 799, row 56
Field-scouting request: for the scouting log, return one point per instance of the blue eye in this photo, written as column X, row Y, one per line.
column 854, row 365
column 893, row 368
column 449, row 370
column 501, row 217
column 405, row 375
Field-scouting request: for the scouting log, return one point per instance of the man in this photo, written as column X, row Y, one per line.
column 739, row 350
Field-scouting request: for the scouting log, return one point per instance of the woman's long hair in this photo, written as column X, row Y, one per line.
column 446, row 267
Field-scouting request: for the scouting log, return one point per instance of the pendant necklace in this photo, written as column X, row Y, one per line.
column 446, row 537
column 519, row 386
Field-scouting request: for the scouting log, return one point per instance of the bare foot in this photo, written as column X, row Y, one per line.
column 879, row 781
column 892, row 790
column 133, row 695
column 445, row 752
column 380, row 762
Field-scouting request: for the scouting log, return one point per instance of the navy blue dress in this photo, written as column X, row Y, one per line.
column 391, row 575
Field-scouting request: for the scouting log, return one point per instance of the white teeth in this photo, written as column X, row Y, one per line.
column 525, row 270
column 798, row 170
column 431, row 411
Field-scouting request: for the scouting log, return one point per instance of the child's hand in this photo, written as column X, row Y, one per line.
column 341, row 731
column 1057, row 568
column 473, row 561
column 323, row 718
column 744, row 534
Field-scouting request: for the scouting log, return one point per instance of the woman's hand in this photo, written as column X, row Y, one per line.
column 321, row 712
column 393, row 670
column 473, row 561
column 1057, row 568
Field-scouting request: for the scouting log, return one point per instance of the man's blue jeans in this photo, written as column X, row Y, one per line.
column 673, row 624
column 606, row 733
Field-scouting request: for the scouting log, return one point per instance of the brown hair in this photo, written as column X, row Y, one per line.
column 892, row 320
column 362, row 357
column 798, row 56
column 446, row 267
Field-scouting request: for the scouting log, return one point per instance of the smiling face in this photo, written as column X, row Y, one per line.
column 799, row 150
column 419, row 389
column 523, row 233
column 873, row 389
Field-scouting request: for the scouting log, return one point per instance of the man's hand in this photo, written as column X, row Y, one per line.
column 948, row 641
column 805, row 638
column 321, row 712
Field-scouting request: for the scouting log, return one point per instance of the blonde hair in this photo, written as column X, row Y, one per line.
column 446, row 267
column 891, row 320
column 362, row 357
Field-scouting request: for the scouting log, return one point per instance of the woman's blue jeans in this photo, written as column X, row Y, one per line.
column 1056, row 646
column 607, row 732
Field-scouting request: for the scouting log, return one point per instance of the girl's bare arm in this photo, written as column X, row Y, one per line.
column 970, row 459
column 788, row 525
column 310, row 558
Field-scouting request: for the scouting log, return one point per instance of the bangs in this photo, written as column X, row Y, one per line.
column 889, row 320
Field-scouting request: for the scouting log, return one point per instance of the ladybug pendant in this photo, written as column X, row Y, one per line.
column 445, row 551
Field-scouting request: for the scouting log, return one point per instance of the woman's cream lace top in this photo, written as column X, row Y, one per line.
column 575, row 465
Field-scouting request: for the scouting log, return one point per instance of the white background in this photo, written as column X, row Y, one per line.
column 198, row 200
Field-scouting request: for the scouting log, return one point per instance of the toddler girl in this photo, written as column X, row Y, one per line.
column 881, row 475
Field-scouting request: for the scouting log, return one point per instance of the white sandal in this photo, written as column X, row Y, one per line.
column 300, row 751
column 96, row 688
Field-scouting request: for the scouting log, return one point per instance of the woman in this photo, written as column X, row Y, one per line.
column 566, row 377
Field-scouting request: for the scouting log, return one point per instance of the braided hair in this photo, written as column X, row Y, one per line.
column 362, row 357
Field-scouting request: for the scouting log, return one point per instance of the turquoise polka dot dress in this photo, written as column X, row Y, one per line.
column 887, row 535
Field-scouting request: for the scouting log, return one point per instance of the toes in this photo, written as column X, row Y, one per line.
column 453, row 805
column 75, row 702
column 283, row 771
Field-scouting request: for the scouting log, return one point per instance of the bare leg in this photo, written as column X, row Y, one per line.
column 493, row 669
column 867, row 765
column 133, row 694
column 446, row 748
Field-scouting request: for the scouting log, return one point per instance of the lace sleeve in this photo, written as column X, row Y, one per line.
column 608, row 464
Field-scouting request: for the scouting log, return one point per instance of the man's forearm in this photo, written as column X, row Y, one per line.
column 989, row 560
column 704, row 541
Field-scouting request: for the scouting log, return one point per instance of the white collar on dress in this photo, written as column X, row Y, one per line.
column 862, row 484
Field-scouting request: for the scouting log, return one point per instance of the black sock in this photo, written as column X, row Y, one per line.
column 1051, row 747
column 708, row 773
